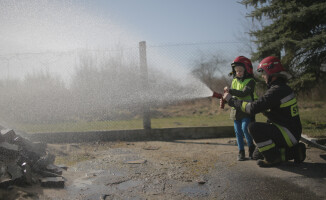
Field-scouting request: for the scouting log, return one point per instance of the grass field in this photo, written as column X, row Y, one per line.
column 193, row 113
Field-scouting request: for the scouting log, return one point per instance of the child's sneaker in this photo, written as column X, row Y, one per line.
column 241, row 155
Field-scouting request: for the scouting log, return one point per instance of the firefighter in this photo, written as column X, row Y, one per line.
column 278, row 139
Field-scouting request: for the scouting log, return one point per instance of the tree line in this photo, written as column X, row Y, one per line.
column 294, row 31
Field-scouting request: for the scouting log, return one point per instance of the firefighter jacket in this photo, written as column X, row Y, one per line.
column 242, row 89
column 279, row 105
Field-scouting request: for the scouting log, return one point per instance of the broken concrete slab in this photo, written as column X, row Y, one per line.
column 9, row 150
column 24, row 162
column 47, row 174
column 64, row 167
column 5, row 177
column 15, row 171
column 53, row 182
column 2, row 139
column 54, row 169
column 5, row 182
column 44, row 161
column 8, row 134
column 38, row 148
column 27, row 173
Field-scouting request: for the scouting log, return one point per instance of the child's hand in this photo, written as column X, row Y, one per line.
column 227, row 96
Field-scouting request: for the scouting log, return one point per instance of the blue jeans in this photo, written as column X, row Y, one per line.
column 240, row 129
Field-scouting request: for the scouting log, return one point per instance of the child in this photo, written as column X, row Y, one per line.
column 243, row 88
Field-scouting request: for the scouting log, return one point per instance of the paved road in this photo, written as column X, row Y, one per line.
column 187, row 169
column 288, row 181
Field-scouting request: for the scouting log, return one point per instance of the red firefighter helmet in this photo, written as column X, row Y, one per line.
column 244, row 62
column 271, row 65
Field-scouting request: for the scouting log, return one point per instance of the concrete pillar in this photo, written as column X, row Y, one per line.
column 144, row 79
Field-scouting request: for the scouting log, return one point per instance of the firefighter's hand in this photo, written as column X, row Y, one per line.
column 226, row 89
column 227, row 96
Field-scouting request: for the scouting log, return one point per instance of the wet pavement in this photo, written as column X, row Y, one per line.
column 186, row 169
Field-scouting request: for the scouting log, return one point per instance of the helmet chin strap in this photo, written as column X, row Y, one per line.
column 269, row 79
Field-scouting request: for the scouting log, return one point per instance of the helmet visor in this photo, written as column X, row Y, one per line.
column 237, row 64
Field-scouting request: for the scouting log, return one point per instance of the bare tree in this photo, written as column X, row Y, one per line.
column 211, row 71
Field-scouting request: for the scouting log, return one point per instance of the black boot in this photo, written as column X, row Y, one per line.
column 299, row 152
column 241, row 155
column 256, row 155
column 273, row 157
column 265, row 163
column 251, row 150
column 290, row 153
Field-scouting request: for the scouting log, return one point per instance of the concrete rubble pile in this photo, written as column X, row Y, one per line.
column 23, row 162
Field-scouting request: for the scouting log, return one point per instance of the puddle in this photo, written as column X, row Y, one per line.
column 119, row 151
column 97, row 183
column 195, row 190
column 129, row 185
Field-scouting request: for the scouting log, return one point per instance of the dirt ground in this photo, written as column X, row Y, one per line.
column 186, row 169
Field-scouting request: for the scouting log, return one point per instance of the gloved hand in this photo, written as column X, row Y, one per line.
column 227, row 96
